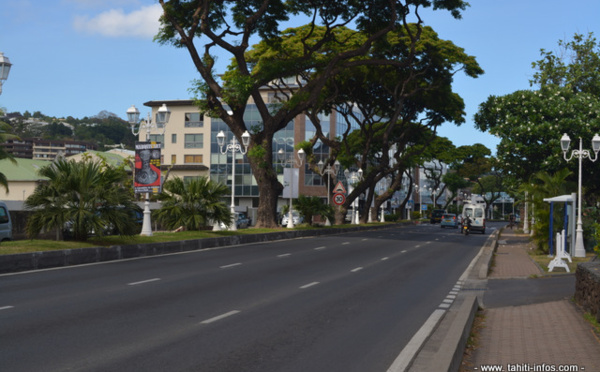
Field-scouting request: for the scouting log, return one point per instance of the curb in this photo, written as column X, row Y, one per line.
column 444, row 348
column 13, row 263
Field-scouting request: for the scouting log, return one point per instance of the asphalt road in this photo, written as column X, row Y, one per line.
column 347, row 302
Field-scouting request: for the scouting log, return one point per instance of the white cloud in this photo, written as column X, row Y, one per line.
column 115, row 23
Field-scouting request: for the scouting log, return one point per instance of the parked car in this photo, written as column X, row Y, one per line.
column 296, row 219
column 449, row 220
column 436, row 215
column 241, row 222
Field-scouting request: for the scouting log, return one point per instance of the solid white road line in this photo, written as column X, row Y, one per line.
column 144, row 281
column 230, row 265
column 405, row 357
column 219, row 317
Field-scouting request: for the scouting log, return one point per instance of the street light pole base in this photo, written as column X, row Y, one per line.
column 147, row 224
column 579, row 247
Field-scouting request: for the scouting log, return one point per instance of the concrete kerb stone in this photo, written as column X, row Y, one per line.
column 443, row 350
column 70, row 257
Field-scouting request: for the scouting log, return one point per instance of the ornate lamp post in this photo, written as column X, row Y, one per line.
column 580, row 154
column 385, row 182
column 285, row 160
column 162, row 118
column 4, row 69
column 329, row 170
column 233, row 147
column 354, row 178
column 419, row 191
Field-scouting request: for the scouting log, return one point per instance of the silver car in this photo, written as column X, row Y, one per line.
column 296, row 219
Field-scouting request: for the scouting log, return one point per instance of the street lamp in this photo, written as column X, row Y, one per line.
column 434, row 193
column 419, row 191
column 353, row 178
column 580, row 154
column 291, row 161
column 4, row 69
column 162, row 118
column 233, row 147
column 385, row 182
column 329, row 170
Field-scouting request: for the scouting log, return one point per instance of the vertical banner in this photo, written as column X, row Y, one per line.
column 147, row 167
column 290, row 182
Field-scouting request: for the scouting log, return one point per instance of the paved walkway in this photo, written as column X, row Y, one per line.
column 543, row 336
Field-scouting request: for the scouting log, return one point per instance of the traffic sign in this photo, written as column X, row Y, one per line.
column 339, row 188
column 339, row 199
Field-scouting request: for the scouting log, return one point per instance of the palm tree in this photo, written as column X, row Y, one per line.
column 88, row 196
column 194, row 204
column 4, row 136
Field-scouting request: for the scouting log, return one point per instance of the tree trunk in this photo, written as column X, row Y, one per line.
column 269, row 189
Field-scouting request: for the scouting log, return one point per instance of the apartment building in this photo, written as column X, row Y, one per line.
column 190, row 149
column 44, row 149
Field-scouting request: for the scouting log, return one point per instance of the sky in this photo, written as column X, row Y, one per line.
column 80, row 57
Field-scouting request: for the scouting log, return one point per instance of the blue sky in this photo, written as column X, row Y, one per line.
column 79, row 57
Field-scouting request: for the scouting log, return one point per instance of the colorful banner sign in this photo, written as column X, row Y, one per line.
column 147, row 167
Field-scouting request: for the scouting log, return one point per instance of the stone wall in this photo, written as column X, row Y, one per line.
column 587, row 287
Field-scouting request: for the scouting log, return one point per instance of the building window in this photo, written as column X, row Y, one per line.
column 194, row 141
column 174, row 138
column 173, row 159
column 157, row 138
column 193, row 159
column 194, row 120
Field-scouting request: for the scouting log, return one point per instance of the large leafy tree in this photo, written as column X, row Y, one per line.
column 194, row 204
column 530, row 123
column 5, row 130
column 89, row 196
column 228, row 26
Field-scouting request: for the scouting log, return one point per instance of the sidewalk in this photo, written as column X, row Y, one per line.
column 542, row 336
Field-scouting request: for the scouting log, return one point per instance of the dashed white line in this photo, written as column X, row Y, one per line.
column 357, row 269
column 230, row 265
column 144, row 281
column 284, row 255
column 6, row 307
column 345, row 243
column 319, row 248
column 309, row 285
column 385, row 258
column 219, row 317
column 404, row 251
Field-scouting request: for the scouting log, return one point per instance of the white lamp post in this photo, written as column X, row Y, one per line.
column 329, row 170
column 4, row 69
column 291, row 161
column 384, row 185
column 419, row 191
column 233, row 147
column 353, row 178
column 162, row 118
column 580, row 154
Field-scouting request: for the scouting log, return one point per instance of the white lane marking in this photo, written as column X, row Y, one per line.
column 357, row 269
column 219, row 317
column 385, row 258
column 230, row 265
column 285, row 255
column 404, row 251
column 444, row 306
column 6, row 307
column 309, row 285
column 418, row 246
column 345, row 243
column 144, row 281
column 414, row 345
column 364, row 239
column 319, row 248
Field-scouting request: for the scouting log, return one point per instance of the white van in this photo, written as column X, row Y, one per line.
column 5, row 223
column 477, row 214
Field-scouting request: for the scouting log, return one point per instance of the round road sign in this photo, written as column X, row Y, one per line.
column 339, row 199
